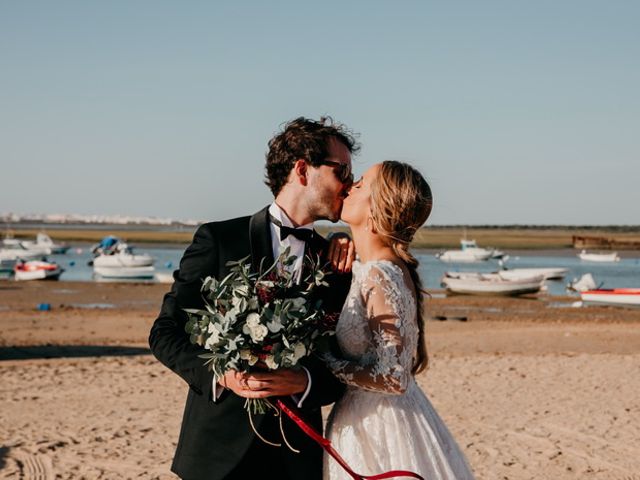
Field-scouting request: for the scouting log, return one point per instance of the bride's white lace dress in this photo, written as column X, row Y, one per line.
column 384, row 421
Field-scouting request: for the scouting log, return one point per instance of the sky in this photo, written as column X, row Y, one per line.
column 515, row 112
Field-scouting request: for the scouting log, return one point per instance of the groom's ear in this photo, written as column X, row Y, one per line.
column 300, row 170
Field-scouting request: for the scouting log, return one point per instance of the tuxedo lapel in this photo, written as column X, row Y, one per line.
column 260, row 239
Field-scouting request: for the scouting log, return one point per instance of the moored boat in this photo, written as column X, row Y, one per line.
column 37, row 270
column 629, row 297
column 547, row 273
column 44, row 243
column 463, row 256
column 598, row 257
column 12, row 249
column 117, row 260
column 125, row 273
column 472, row 246
column 491, row 284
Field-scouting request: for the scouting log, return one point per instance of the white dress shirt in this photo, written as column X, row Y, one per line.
column 295, row 245
column 297, row 248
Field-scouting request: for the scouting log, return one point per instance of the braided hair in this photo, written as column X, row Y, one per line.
column 401, row 201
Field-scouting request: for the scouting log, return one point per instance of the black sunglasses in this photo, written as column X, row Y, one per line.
column 341, row 170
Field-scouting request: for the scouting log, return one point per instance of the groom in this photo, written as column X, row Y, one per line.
column 308, row 170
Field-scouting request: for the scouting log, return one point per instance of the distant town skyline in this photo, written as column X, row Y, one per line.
column 517, row 113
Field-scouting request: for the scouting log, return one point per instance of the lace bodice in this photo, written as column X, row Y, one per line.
column 377, row 331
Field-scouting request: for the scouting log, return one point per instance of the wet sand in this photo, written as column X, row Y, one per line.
column 528, row 389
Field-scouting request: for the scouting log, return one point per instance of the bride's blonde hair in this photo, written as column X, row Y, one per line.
column 401, row 202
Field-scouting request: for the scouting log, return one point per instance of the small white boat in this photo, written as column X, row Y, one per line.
column 463, row 256
column 123, row 257
column 472, row 246
column 44, row 242
column 119, row 261
column 598, row 257
column 547, row 273
column 12, row 249
column 629, row 297
column 142, row 273
column 37, row 270
column 491, row 284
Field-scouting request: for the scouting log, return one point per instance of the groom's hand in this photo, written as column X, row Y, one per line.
column 276, row 383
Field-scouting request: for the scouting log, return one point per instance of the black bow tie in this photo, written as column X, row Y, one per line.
column 304, row 234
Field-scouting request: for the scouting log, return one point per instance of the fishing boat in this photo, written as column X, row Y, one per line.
column 629, row 297
column 37, row 270
column 598, row 257
column 472, row 246
column 119, row 261
column 463, row 256
column 491, row 284
column 43, row 242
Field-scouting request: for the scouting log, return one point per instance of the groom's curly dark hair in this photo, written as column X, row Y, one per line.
column 306, row 139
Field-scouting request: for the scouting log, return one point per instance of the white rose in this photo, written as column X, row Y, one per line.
column 253, row 319
column 258, row 333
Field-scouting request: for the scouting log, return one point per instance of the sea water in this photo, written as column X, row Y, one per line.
column 625, row 273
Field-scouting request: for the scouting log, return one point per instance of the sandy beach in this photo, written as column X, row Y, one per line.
column 531, row 388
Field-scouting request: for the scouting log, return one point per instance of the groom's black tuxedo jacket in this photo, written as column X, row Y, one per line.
column 216, row 435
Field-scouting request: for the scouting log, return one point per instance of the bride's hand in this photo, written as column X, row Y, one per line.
column 341, row 252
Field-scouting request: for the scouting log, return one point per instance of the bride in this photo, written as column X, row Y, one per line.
column 384, row 421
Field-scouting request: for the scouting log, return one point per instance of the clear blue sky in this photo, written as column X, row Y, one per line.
column 516, row 112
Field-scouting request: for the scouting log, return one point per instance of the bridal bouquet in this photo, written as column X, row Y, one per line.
column 258, row 320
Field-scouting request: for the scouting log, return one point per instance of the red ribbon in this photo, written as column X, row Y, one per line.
column 294, row 415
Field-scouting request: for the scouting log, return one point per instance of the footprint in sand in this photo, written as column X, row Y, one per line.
column 34, row 467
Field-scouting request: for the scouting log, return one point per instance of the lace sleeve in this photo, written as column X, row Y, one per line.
column 387, row 365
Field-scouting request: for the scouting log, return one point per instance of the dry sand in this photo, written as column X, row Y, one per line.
column 530, row 391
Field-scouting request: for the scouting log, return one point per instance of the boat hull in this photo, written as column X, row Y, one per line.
column 478, row 286
column 599, row 257
column 547, row 273
column 463, row 256
column 144, row 273
column 123, row 261
column 625, row 297
column 36, row 270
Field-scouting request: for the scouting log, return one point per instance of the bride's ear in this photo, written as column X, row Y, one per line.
column 300, row 170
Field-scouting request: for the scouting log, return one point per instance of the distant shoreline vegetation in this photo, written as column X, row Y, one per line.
column 431, row 237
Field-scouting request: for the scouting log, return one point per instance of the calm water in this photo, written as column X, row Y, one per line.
column 625, row 273
column 622, row 274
